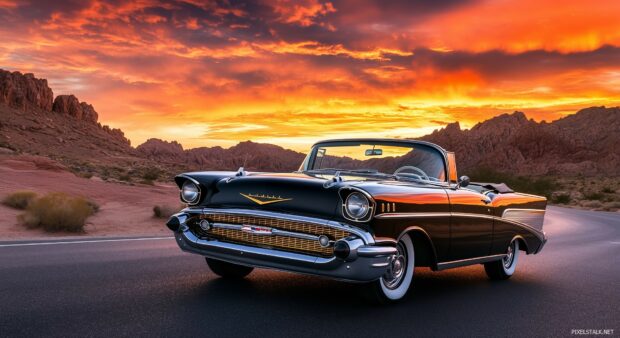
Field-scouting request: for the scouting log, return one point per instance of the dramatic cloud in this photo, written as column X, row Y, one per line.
column 292, row 72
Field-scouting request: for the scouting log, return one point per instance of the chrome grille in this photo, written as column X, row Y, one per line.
column 273, row 241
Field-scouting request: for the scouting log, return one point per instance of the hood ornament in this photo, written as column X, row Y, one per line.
column 264, row 199
column 240, row 173
column 333, row 181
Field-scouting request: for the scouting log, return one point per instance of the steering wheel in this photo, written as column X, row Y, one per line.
column 410, row 167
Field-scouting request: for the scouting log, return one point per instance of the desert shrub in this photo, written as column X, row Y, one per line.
column 596, row 196
column 611, row 206
column 125, row 177
column 608, row 190
column 85, row 174
column 19, row 199
column 164, row 211
column 58, row 212
column 591, row 204
column 151, row 174
column 561, row 198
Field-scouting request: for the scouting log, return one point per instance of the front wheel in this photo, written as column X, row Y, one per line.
column 228, row 270
column 394, row 285
column 503, row 269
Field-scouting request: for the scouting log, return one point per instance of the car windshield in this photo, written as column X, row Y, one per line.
column 400, row 160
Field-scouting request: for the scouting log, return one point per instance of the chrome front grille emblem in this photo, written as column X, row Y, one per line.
column 257, row 230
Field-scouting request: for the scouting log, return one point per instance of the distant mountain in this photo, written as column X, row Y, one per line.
column 33, row 121
column 585, row 143
column 250, row 155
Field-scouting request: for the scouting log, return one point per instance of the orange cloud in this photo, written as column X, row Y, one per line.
column 518, row 26
column 215, row 73
column 303, row 13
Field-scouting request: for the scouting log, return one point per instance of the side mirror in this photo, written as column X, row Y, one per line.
column 463, row 182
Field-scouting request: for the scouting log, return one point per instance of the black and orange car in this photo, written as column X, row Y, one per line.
column 363, row 210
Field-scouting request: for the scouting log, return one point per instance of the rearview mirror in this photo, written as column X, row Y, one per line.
column 463, row 181
column 374, row 152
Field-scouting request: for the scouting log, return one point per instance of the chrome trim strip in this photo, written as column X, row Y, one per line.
column 532, row 217
column 537, row 232
column 414, row 215
column 469, row 261
column 364, row 235
column 274, row 232
column 376, row 251
column 380, row 265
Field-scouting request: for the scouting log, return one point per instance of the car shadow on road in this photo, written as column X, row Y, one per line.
column 280, row 289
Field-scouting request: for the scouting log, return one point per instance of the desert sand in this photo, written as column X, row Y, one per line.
column 125, row 210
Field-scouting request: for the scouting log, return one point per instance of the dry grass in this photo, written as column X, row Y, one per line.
column 58, row 212
column 19, row 199
column 165, row 211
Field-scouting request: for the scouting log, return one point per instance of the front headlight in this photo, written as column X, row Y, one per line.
column 190, row 192
column 357, row 205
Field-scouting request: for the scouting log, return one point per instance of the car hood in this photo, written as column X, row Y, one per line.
column 288, row 193
column 303, row 194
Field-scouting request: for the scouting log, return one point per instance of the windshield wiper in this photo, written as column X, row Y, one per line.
column 360, row 172
column 335, row 170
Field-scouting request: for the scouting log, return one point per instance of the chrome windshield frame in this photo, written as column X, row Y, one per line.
column 443, row 153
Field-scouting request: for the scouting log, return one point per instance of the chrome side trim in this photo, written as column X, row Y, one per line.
column 414, row 215
column 433, row 215
column 469, row 215
column 531, row 217
column 469, row 261
column 537, row 232
column 364, row 235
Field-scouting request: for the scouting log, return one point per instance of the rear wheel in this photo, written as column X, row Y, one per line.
column 503, row 269
column 394, row 285
column 228, row 270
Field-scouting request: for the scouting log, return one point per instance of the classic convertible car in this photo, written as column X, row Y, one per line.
column 362, row 210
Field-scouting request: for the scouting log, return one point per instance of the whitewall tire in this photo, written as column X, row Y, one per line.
column 397, row 281
column 503, row 269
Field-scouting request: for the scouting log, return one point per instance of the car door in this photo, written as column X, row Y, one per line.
column 471, row 224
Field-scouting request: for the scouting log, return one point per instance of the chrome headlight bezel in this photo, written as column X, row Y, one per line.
column 357, row 206
column 190, row 192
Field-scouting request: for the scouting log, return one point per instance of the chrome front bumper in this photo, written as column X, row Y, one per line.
column 366, row 260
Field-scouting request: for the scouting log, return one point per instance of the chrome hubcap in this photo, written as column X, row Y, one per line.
column 396, row 269
column 510, row 255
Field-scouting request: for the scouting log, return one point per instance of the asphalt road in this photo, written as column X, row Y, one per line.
column 150, row 288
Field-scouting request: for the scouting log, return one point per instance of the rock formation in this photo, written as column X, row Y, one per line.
column 32, row 121
column 24, row 91
column 70, row 105
column 580, row 144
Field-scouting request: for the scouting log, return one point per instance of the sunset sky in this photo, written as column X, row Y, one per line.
column 292, row 72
